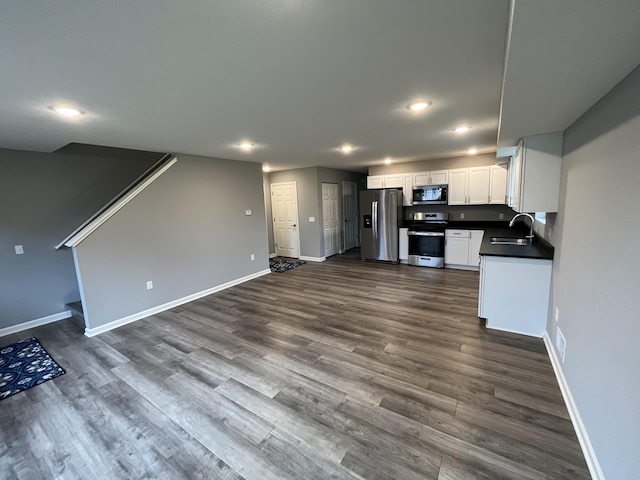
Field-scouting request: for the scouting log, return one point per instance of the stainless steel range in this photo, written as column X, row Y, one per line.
column 426, row 239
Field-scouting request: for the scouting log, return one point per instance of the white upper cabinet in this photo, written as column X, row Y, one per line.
column 375, row 181
column 534, row 183
column 435, row 177
column 407, row 190
column 498, row 185
column 458, row 186
column 439, row 177
column 385, row 181
column 469, row 186
column 478, row 185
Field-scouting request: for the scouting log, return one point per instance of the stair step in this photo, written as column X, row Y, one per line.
column 77, row 314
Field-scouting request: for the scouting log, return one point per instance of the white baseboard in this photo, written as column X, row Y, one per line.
column 35, row 323
column 272, row 255
column 312, row 259
column 92, row 332
column 528, row 334
column 581, row 431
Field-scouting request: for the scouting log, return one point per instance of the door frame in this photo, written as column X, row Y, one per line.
column 356, row 195
column 339, row 248
column 273, row 218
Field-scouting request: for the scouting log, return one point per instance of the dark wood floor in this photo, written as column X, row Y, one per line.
column 342, row 369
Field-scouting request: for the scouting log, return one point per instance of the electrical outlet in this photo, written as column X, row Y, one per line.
column 19, row 249
column 461, row 216
column 561, row 344
column 253, row 257
column 149, row 285
column 248, row 212
column 557, row 314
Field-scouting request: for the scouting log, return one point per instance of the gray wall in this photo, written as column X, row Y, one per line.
column 596, row 274
column 43, row 198
column 309, row 185
column 187, row 232
column 438, row 164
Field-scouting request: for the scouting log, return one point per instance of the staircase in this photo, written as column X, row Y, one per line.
column 77, row 314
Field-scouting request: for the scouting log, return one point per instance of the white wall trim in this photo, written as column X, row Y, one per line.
column 92, row 332
column 528, row 334
column 576, row 419
column 312, row 259
column 272, row 255
column 35, row 323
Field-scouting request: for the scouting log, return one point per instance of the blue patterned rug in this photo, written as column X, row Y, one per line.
column 24, row 365
column 280, row 265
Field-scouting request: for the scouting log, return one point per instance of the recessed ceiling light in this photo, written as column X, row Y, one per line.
column 462, row 129
column 266, row 168
column 472, row 151
column 347, row 148
column 387, row 161
column 246, row 146
column 419, row 106
column 66, row 111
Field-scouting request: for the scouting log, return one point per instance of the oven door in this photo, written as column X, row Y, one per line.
column 426, row 249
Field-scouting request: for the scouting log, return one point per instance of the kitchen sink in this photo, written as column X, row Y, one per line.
column 510, row 241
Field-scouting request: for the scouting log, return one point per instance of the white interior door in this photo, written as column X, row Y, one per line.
column 350, row 214
column 330, row 220
column 284, row 206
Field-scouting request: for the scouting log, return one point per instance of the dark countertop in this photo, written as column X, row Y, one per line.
column 539, row 248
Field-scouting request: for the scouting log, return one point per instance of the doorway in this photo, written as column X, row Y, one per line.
column 330, row 219
column 284, row 207
column 350, row 213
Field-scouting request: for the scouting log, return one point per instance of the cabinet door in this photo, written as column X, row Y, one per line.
column 478, row 185
column 403, row 245
column 498, row 185
column 407, row 190
column 439, row 177
column 456, row 251
column 515, row 179
column 421, row 178
column 393, row 181
column 375, row 181
column 475, row 240
column 458, row 186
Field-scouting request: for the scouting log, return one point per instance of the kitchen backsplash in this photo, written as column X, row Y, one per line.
column 467, row 213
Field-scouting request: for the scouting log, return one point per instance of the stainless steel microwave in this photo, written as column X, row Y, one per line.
column 430, row 194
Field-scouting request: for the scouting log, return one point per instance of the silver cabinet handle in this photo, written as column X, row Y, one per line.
column 426, row 234
column 374, row 220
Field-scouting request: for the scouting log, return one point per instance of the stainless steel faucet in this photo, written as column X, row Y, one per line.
column 530, row 218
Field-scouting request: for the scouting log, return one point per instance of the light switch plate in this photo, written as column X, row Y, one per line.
column 247, row 212
column 312, row 219
column 149, row 285
column 19, row 249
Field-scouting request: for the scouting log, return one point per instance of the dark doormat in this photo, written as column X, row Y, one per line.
column 280, row 265
column 24, row 365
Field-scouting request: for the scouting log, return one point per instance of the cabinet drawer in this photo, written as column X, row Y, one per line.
column 453, row 233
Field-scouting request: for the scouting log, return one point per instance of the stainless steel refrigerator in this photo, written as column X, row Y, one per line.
column 380, row 218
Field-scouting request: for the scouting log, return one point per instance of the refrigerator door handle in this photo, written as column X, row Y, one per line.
column 374, row 219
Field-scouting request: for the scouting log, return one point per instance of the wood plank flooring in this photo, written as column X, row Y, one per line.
column 344, row 369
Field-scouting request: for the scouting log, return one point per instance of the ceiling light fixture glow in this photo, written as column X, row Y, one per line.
column 387, row 161
column 66, row 111
column 246, row 146
column 347, row 148
column 419, row 106
column 462, row 129
column 266, row 168
column 472, row 151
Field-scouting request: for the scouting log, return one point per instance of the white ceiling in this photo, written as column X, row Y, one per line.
column 301, row 77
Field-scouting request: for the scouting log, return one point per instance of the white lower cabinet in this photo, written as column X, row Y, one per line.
column 462, row 248
column 403, row 245
column 514, row 294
